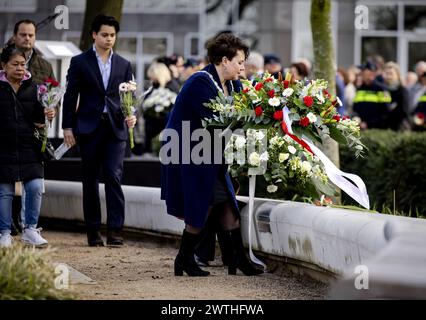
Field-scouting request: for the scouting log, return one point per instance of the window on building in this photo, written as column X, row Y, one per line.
column 396, row 31
column 416, row 53
column 382, row 17
column 155, row 46
column 385, row 46
column 143, row 6
column 415, row 18
column 18, row 5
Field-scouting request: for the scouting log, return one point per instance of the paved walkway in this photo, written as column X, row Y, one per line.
column 144, row 270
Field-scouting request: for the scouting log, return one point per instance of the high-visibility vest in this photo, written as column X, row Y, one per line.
column 371, row 105
column 372, row 96
column 421, row 104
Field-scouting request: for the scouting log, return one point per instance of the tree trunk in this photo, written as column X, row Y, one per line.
column 93, row 8
column 323, row 42
column 324, row 61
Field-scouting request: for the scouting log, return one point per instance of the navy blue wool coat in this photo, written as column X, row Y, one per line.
column 188, row 188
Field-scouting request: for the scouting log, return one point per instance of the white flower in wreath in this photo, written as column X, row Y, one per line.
column 275, row 102
column 256, row 101
column 291, row 149
column 166, row 102
column 240, row 142
column 159, row 109
column 264, row 156
column 320, row 98
column 254, row 159
column 274, row 141
column 288, row 139
column 259, row 135
column 306, row 166
column 241, row 159
column 272, row 188
column 283, row 157
column 288, row 92
column 312, row 118
column 305, row 91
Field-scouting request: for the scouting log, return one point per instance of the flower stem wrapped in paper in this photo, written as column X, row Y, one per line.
column 294, row 116
column 49, row 94
column 128, row 102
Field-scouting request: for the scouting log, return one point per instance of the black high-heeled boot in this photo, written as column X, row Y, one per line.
column 185, row 258
column 238, row 258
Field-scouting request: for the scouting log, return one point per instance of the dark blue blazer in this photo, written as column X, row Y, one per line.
column 188, row 188
column 84, row 79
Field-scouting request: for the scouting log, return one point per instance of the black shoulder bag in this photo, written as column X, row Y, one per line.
column 49, row 153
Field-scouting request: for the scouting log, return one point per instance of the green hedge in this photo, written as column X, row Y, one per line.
column 393, row 166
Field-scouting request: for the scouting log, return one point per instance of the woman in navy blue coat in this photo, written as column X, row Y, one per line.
column 190, row 188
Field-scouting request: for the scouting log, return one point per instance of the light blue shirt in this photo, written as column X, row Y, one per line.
column 105, row 69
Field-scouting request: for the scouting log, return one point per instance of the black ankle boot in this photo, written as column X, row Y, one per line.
column 185, row 258
column 239, row 259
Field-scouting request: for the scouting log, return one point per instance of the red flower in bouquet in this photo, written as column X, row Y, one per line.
column 271, row 93
column 419, row 119
column 286, row 83
column 269, row 80
column 304, row 122
column 258, row 111
column 52, row 82
column 246, row 90
column 337, row 118
column 258, row 86
column 278, row 115
column 308, row 101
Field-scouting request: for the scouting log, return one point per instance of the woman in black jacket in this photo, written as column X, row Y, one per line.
column 398, row 108
column 20, row 159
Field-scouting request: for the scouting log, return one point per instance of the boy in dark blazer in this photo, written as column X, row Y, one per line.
column 99, row 126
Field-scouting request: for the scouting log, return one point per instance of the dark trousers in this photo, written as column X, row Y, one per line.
column 102, row 149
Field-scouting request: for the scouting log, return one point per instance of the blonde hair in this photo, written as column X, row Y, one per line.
column 394, row 66
column 256, row 59
column 158, row 72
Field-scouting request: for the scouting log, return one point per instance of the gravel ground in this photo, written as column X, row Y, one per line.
column 143, row 269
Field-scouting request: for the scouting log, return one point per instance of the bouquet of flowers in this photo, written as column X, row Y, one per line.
column 159, row 102
column 128, row 101
column 419, row 120
column 284, row 118
column 49, row 94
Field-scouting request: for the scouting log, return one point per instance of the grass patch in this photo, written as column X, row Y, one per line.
column 27, row 274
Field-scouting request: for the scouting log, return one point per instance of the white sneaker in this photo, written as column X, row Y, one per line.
column 33, row 237
column 5, row 240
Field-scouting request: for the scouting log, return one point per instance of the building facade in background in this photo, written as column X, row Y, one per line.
column 396, row 30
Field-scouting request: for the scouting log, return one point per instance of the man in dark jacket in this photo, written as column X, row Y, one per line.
column 371, row 102
column 24, row 36
column 99, row 126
